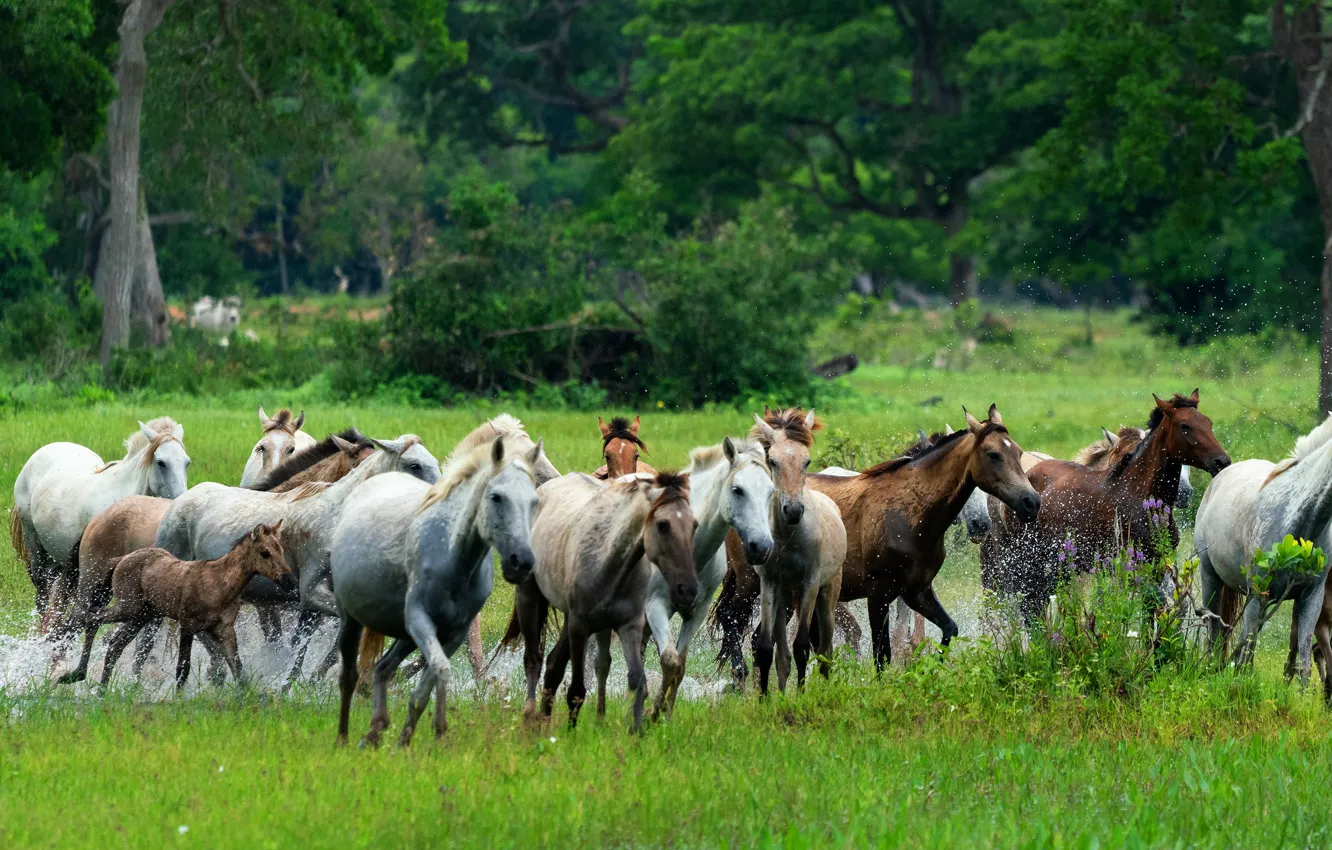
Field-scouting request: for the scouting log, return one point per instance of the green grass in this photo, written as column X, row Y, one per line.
column 932, row 755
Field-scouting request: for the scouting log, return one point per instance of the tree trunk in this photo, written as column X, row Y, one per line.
column 147, row 304
column 961, row 267
column 118, row 259
column 281, row 239
column 1300, row 40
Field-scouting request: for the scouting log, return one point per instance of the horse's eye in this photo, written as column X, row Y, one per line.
column 739, row 491
column 496, row 498
column 1184, row 428
column 264, row 555
column 161, row 464
column 258, row 450
column 663, row 526
column 996, row 457
column 291, row 450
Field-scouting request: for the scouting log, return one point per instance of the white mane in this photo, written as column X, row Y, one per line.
column 164, row 426
column 1313, row 441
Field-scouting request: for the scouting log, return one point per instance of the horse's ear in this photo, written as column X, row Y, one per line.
column 728, row 449
column 497, row 451
column 263, row 417
column 535, row 455
column 397, row 446
column 994, row 415
column 277, row 525
column 633, row 429
column 921, row 437
column 764, row 428
column 809, row 420
column 147, row 432
column 948, row 429
column 605, row 429
column 1110, row 438
column 343, row 446
column 1194, row 397
column 972, row 423
column 1164, row 405
column 300, row 420
column 766, row 411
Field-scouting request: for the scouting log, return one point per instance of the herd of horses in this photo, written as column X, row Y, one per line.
column 393, row 544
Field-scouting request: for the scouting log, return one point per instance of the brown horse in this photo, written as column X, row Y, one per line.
column 1101, row 509
column 328, row 460
column 897, row 515
column 620, row 447
column 204, row 596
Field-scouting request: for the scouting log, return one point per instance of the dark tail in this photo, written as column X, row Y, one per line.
column 729, row 618
column 372, row 646
column 514, row 631
column 1230, row 611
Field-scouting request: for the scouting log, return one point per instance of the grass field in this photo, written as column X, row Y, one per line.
column 931, row 755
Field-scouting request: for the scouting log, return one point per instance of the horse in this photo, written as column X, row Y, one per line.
column 620, row 447
column 64, row 485
column 1102, row 453
column 510, row 428
column 326, row 461
column 597, row 544
column 810, row 547
column 202, row 596
column 897, row 514
column 1251, row 505
column 209, row 519
column 413, row 561
column 280, row 438
column 729, row 488
column 1102, row 509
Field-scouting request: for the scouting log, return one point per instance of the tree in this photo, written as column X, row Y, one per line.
column 890, row 113
column 1196, row 117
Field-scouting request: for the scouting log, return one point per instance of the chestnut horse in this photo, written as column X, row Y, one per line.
column 620, row 447
column 1102, row 509
column 897, row 515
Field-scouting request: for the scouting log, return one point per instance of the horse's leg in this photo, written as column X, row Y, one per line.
column 116, row 645
column 659, row 622
column 79, row 673
column 270, row 621
column 183, row 659
column 224, row 636
column 782, row 640
column 631, row 635
column 577, row 692
column 805, row 613
column 1212, row 591
column 929, row 606
column 555, row 664
column 307, row 621
column 688, row 628
column 349, row 642
column 917, row 629
column 416, row 704
column 385, row 669
column 531, row 609
column 144, row 648
column 880, row 607
column 1253, row 613
column 1308, row 606
column 476, row 653
column 1323, row 638
column 763, row 637
column 824, row 604
column 846, row 622
column 735, row 611
column 603, row 670
column 423, row 629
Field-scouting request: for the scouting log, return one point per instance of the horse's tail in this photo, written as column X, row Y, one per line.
column 16, row 536
column 1230, row 611
column 372, row 646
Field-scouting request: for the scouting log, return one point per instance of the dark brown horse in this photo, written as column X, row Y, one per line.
column 620, row 447
column 896, row 515
column 1101, row 509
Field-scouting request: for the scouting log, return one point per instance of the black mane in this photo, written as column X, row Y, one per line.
column 936, row 441
column 620, row 429
column 301, row 461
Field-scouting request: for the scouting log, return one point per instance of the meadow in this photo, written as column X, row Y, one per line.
column 931, row 754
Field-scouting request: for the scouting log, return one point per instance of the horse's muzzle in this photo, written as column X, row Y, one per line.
column 1216, row 464
column 757, row 553
column 792, row 512
column 683, row 595
column 517, row 565
column 288, row 583
column 1028, row 505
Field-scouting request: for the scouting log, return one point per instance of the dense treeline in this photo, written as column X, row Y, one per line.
column 654, row 196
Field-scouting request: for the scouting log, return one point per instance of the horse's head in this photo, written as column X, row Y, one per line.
column 668, row 536
column 264, row 554
column 1188, row 433
column 507, row 506
column 620, row 446
column 996, row 465
column 166, row 460
column 787, row 436
column 408, row 454
column 276, row 443
column 748, row 505
column 975, row 515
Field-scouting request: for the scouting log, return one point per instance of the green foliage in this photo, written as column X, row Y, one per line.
column 1285, row 559
column 54, row 86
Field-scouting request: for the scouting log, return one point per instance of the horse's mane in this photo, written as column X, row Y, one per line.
column 301, row 461
column 464, row 462
column 1305, row 446
column 790, row 420
column 1156, row 418
column 165, row 429
column 936, row 442
column 503, row 425
column 706, row 457
column 1129, row 438
column 619, row 429
column 675, row 487
column 306, row 490
column 283, row 421
column 1178, row 401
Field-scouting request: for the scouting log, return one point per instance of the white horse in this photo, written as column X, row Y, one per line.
column 211, row 518
column 221, row 317
column 64, row 485
column 730, row 488
column 1251, row 505
column 280, row 438
column 413, row 562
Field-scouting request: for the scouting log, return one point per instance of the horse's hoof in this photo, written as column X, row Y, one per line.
column 71, row 677
column 405, row 739
column 370, row 741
